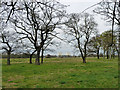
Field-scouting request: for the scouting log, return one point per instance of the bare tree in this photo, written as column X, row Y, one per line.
column 81, row 27
column 9, row 43
column 37, row 22
column 8, row 38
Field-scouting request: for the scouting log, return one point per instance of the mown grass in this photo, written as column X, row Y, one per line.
column 61, row 73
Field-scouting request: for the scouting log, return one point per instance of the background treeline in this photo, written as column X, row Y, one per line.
column 17, row 56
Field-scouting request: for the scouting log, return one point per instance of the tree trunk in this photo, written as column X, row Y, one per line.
column 110, row 52
column 8, row 59
column 84, row 59
column 42, row 56
column 30, row 58
column 104, row 54
column 113, row 54
column 83, row 56
column 107, row 54
column 98, row 56
column 38, row 58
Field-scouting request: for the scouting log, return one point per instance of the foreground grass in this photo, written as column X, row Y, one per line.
column 61, row 73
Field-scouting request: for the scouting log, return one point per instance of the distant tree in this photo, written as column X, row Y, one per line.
column 117, row 37
column 106, row 41
column 80, row 28
column 94, row 45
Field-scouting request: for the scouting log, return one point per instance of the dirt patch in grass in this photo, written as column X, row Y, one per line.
column 100, row 61
column 19, row 62
column 54, row 61
column 65, row 61
column 16, row 77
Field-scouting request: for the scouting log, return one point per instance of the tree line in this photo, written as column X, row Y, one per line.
column 32, row 27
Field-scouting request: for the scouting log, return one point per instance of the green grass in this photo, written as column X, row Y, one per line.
column 61, row 73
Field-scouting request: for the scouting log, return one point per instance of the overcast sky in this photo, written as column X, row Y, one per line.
column 77, row 6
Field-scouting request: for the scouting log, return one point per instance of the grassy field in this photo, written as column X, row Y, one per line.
column 61, row 73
